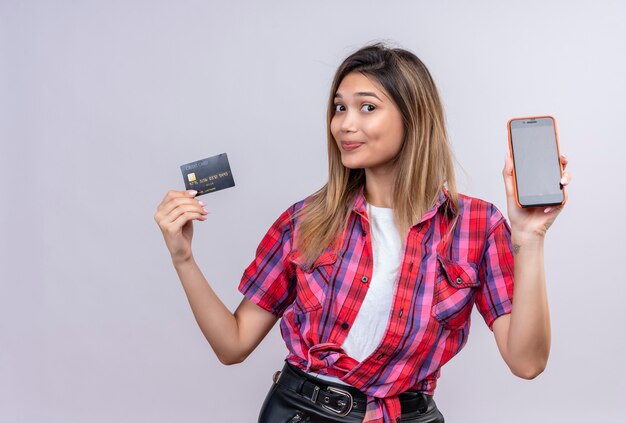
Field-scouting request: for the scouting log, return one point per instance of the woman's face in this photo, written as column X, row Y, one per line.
column 365, row 115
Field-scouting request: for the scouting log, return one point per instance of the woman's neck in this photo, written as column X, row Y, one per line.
column 379, row 188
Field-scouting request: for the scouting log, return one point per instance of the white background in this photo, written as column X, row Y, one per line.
column 101, row 102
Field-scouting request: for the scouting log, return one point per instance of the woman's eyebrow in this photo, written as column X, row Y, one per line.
column 361, row 94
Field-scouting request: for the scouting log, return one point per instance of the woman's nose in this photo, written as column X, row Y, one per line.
column 348, row 123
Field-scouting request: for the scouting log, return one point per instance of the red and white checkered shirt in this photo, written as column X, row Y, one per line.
column 439, row 280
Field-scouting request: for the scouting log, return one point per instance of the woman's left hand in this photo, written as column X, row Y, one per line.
column 530, row 220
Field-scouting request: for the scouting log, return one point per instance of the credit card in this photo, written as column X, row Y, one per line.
column 208, row 175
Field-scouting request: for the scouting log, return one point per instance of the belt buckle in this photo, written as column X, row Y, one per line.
column 347, row 394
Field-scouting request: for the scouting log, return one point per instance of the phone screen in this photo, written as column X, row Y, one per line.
column 536, row 158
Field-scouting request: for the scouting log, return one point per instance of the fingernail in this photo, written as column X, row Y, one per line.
column 547, row 209
column 563, row 155
column 192, row 192
column 202, row 203
column 563, row 180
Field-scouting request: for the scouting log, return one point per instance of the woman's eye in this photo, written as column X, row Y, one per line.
column 371, row 107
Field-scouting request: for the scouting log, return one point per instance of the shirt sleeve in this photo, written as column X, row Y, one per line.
column 268, row 281
column 495, row 296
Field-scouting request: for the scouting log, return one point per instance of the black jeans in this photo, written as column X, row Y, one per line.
column 288, row 402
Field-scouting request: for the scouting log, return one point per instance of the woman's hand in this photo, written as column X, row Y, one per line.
column 174, row 216
column 530, row 220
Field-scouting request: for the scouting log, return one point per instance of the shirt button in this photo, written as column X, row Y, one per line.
column 364, row 279
column 459, row 280
column 400, row 314
column 345, row 325
column 363, row 232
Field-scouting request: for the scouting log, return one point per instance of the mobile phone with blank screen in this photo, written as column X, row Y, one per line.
column 537, row 169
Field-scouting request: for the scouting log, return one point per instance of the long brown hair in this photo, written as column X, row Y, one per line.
column 424, row 164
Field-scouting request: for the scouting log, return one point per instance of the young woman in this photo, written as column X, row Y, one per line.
column 375, row 275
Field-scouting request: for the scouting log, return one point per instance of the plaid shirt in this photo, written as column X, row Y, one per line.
column 439, row 280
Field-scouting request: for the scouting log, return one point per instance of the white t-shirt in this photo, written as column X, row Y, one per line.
column 371, row 321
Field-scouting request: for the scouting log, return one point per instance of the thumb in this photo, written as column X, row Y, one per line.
column 507, row 173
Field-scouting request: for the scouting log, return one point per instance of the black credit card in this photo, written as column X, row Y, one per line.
column 208, row 175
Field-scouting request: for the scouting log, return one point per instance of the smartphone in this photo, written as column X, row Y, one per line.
column 537, row 169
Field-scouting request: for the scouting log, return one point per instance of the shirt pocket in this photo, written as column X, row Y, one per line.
column 313, row 283
column 456, row 285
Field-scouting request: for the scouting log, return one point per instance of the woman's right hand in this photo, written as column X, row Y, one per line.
column 174, row 216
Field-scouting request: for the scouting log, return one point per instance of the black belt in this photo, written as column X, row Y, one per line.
column 337, row 398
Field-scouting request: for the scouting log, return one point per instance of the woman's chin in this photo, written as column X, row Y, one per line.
column 352, row 164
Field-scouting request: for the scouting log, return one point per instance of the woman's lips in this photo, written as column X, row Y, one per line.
column 349, row 146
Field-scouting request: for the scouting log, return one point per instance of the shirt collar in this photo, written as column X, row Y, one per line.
column 360, row 203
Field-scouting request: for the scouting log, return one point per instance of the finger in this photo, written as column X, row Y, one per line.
column 184, row 208
column 508, row 165
column 553, row 209
column 180, row 221
column 507, row 174
column 177, row 201
column 566, row 178
column 171, row 194
column 166, row 209
column 564, row 160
